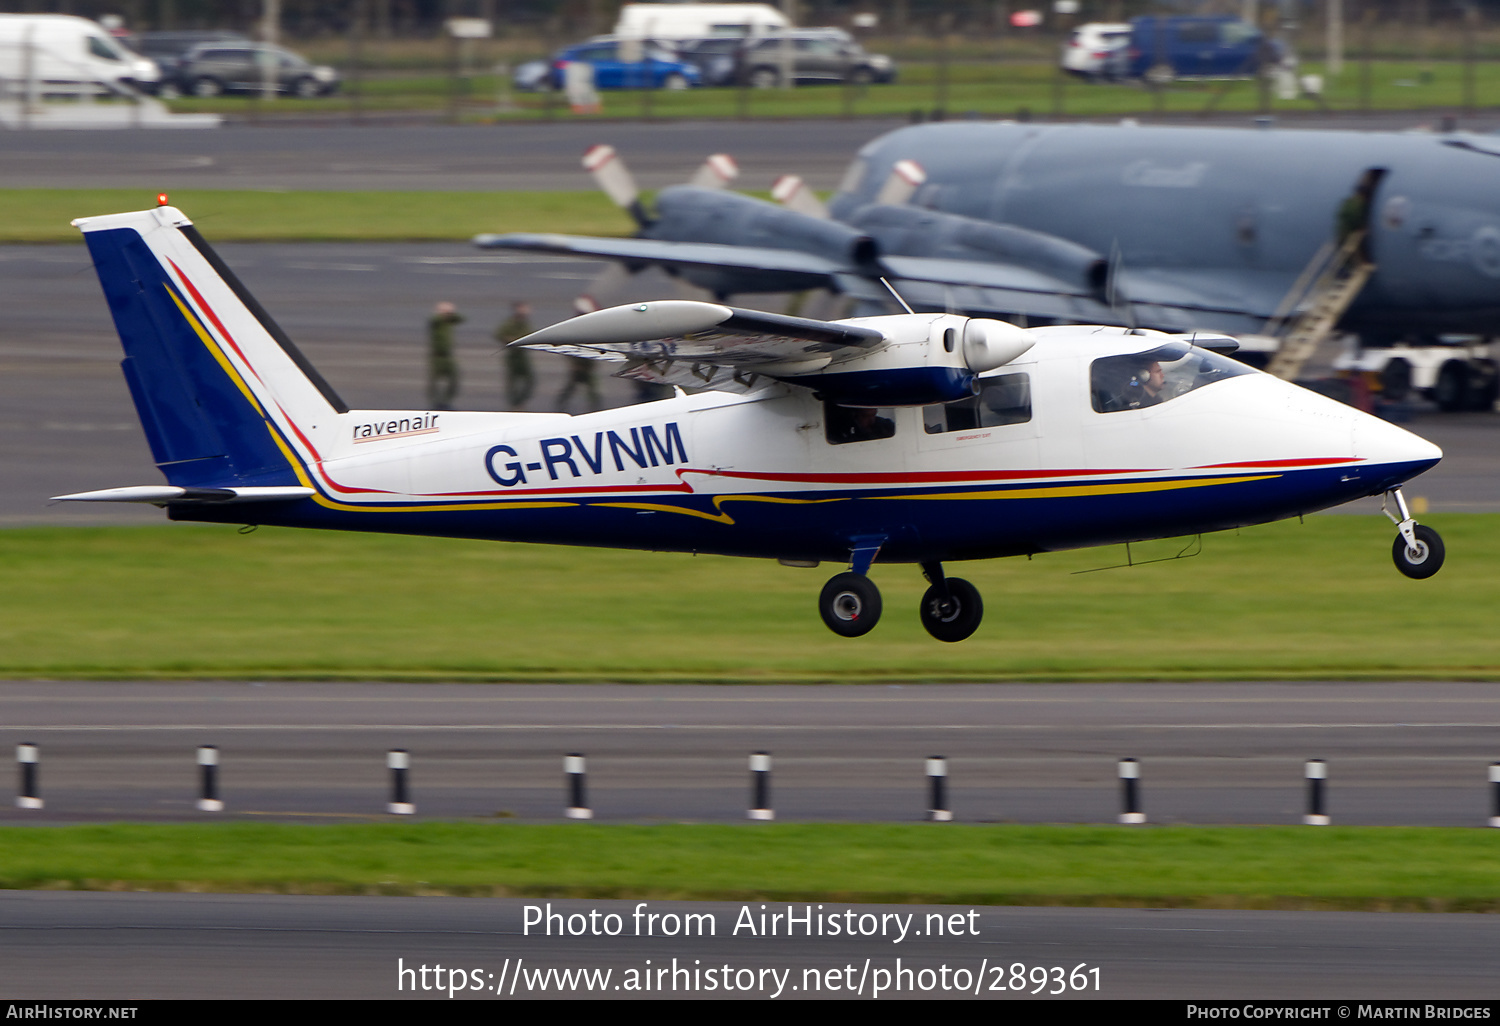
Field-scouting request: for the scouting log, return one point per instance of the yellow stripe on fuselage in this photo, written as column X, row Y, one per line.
column 1072, row 491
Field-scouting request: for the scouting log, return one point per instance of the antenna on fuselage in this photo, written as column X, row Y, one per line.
column 892, row 289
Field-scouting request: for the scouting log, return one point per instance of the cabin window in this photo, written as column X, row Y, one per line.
column 1002, row 400
column 1159, row 375
column 844, row 424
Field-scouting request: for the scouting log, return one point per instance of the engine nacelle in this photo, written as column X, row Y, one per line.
column 989, row 343
column 929, row 359
column 689, row 214
column 918, row 232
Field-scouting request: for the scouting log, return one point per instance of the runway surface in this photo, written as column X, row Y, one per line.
column 359, row 312
column 143, row 946
column 1398, row 754
column 432, row 157
column 323, row 153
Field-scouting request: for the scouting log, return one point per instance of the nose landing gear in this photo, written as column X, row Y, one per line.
column 1418, row 550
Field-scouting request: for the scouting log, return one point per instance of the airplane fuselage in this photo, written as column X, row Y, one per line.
column 769, row 474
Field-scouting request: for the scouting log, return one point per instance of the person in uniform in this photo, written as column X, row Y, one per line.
column 442, row 367
column 580, row 375
column 519, row 379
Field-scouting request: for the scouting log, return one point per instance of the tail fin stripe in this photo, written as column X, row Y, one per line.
column 234, row 375
column 257, row 311
column 217, row 353
column 213, row 317
column 202, row 304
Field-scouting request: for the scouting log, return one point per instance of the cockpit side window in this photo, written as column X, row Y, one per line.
column 1159, row 375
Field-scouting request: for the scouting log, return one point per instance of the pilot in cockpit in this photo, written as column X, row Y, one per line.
column 1144, row 387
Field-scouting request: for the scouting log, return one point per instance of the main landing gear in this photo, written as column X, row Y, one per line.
column 850, row 603
column 1418, row 550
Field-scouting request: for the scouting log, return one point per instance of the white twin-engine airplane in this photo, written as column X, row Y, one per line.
column 915, row 438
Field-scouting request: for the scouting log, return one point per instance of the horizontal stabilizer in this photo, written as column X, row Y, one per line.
column 172, row 493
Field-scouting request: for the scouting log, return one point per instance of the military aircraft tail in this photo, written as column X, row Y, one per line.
column 220, row 389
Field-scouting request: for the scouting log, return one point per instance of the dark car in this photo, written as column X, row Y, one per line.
column 715, row 57
column 1167, row 48
column 212, row 69
column 168, row 48
column 816, row 56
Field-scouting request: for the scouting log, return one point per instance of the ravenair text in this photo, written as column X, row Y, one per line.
column 572, row 456
column 397, row 427
column 750, row 921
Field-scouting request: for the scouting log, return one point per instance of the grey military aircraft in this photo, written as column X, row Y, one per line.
column 1173, row 228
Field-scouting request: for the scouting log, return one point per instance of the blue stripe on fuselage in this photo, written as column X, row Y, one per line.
column 819, row 525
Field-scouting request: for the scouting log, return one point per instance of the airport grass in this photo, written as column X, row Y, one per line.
column 1389, row 868
column 255, row 215
column 1286, row 601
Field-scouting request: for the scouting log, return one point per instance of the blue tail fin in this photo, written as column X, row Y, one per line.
column 218, row 386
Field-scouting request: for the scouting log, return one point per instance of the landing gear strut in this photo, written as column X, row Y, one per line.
column 1418, row 550
column 951, row 608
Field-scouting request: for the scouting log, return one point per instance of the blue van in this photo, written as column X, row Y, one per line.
column 1166, row 48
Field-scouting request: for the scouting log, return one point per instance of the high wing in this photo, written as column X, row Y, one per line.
column 704, row 345
column 914, row 359
column 788, row 269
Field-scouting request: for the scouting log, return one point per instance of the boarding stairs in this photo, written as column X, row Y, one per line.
column 1315, row 302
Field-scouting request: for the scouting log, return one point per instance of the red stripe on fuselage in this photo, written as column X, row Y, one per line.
column 912, row 477
column 1327, row 461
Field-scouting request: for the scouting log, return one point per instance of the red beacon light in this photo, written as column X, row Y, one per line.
column 161, row 199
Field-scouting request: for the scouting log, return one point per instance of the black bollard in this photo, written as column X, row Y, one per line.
column 575, row 767
column 208, row 760
column 398, row 763
column 30, row 797
column 1317, row 774
column 1130, row 775
column 937, row 779
column 760, row 786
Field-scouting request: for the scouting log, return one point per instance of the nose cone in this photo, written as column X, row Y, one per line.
column 1402, row 453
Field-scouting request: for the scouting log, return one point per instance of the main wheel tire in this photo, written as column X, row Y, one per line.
column 764, row 78
column 1484, row 385
column 208, row 87
column 168, row 91
column 850, row 605
column 957, row 618
column 1395, row 380
column 306, row 88
column 1452, row 390
column 675, row 82
column 1426, row 560
column 1160, row 75
column 861, row 76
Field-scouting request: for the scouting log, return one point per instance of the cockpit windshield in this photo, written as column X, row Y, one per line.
column 1156, row 376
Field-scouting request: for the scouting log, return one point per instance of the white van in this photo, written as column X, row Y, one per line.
column 698, row 21
column 62, row 53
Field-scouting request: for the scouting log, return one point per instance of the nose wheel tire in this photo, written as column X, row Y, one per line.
column 850, row 604
column 956, row 618
column 1423, row 561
